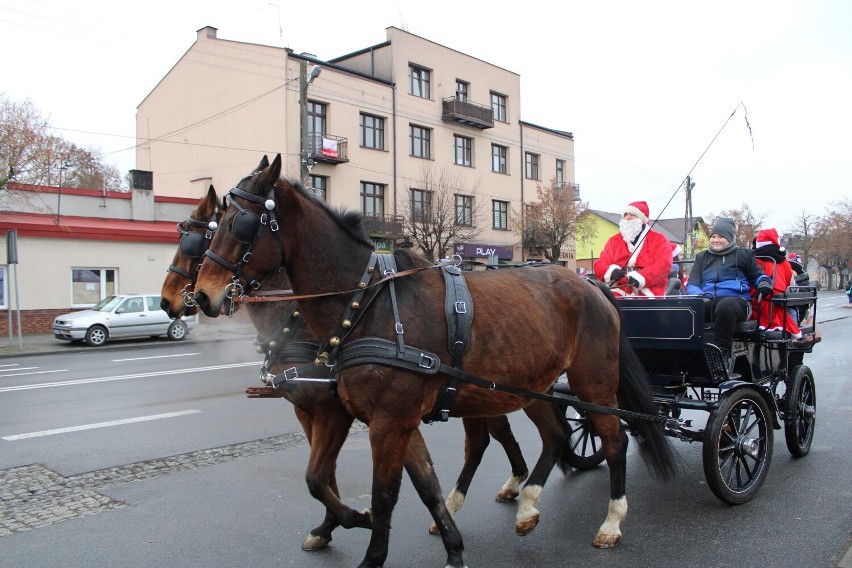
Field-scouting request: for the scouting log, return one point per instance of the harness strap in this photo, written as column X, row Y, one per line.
column 458, row 307
column 181, row 271
column 387, row 265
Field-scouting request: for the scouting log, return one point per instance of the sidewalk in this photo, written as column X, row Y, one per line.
column 219, row 329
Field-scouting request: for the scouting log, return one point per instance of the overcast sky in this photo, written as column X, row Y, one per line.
column 644, row 86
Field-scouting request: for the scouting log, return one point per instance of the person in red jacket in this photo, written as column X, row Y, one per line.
column 637, row 261
column 772, row 258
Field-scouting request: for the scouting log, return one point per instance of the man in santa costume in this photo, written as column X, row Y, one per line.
column 637, row 261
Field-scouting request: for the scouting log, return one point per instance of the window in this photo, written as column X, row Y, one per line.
column 317, row 118
column 463, row 150
column 3, row 293
column 372, row 132
column 464, row 210
column 421, row 138
column 498, row 105
column 91, row 285
column 153, row 303
column 421, row 205
column 462, row 89
column 498, row 158
column 372, row 199
column 418, row 81
column 500, row 210
column 560, row 172
column 531, row 166
column 319, row 187
column 132, row 305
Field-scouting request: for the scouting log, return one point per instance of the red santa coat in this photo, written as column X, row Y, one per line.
column 650, row 265
column 780, row 319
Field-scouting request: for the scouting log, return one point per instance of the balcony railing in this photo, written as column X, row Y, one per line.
column 390, row 225
column 327, row 148
column 573, row 187
column 468, row 114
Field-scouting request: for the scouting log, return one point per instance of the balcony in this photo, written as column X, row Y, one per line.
column 328, row 149
column 468, row 114
column 386, row 225
column 573, row 187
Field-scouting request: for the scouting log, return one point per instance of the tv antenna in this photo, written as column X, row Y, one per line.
column 280, row 29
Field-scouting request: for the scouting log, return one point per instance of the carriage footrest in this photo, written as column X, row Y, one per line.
column 263, row 392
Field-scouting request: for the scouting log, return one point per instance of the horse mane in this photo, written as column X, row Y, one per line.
column 350, row 221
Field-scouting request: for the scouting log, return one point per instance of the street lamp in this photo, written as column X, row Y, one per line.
column 305, row 79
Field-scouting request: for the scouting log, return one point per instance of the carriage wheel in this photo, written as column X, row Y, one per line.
column 738, row 446
column 800, row 403
column 584, row 450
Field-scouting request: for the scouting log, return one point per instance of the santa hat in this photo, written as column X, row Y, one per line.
column 676, row 250
column 766, row 237
column 640, row 209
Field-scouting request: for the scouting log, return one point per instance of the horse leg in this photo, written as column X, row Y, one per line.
column 418, row 464
column 550, row 420
column 500, row 429
column 614, row 441
column 329, row 430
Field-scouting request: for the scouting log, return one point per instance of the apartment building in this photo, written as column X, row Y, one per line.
column 367, row 131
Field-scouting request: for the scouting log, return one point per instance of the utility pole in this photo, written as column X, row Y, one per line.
column 687, row 220
column 306, row 160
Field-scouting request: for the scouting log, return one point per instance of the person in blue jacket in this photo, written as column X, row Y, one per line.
column 725, row 273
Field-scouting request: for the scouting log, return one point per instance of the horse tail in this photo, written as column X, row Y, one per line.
column 634, row 395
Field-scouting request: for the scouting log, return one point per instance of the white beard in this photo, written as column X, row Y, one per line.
column 630, row 229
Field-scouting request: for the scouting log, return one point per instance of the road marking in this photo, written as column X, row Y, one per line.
column 157, row 357
column 98, row 425
column 10, row 365
column 18, row 369
column 5, row 374
column 125, row 377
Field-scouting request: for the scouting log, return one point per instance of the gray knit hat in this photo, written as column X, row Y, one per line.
column 724, row 226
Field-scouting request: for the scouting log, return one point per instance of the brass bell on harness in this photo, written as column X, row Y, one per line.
column 322, row 359
column 259, row 348
column 355, row 305
column 346, row 324
column 362, row 285
column 272, row 344
column 296, row 314
column 285, row 330
column 334, row 341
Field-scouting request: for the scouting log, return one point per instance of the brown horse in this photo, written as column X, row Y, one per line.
column 528, row 329
column 323, row 418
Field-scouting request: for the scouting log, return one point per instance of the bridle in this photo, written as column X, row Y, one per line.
column 193, row 245
column 247, row 227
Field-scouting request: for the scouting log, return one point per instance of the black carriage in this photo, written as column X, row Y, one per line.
column 768, row 388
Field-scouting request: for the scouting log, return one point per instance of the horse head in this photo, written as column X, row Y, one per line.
column 246, row 249
column 196, row 233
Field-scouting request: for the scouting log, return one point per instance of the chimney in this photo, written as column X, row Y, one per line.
column 207, row 32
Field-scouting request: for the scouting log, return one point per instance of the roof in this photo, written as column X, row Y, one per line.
column 667, row 227
column 89, row 228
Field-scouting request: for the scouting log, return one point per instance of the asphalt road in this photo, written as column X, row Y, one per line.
column 148, row 454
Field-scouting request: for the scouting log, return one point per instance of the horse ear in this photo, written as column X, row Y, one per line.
column 264, row 163
column 275, row 169
column 211, row 194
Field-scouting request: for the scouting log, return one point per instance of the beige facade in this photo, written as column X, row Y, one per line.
column 224, row 104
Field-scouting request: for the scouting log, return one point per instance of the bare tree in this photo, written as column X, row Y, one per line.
column 547, row 225
column 442, row 210
column 801, row 235
column 832, row 245
column 30, row 154
column 748, row 224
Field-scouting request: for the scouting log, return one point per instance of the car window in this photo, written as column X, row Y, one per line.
column 107, row 304
column 133, row 305
column 153, row 303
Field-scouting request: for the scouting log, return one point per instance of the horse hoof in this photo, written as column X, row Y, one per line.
column 506, row 496
column 313, row 543
column 433, row 528
column 606, row 540
column 525, row 527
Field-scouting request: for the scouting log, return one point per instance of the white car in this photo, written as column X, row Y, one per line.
column 119, row 316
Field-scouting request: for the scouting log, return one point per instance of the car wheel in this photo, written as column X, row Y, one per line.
column 177, row 330
column 96, row 335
